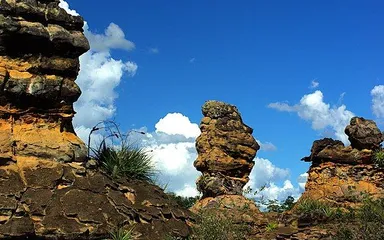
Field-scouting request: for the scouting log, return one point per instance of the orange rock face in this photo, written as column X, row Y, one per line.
column 339, row 174
column 39, row 49
column 226, row 149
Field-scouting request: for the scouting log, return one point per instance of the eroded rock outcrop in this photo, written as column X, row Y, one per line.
column 340, row 174
column 226, row 149
column 45, row 190
column 39, row 49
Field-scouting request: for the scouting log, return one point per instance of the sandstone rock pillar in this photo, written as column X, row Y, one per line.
column 226, row 149
column 39, row 49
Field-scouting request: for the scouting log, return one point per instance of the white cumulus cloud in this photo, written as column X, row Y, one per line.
column 64, row 5
column 322, row 116
column 377, row 94
column 272, row 182
column 113, row 38
column 172, row 147
column 99, row 76
column 176, row 123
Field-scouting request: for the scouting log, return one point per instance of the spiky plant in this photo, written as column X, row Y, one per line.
column 378, row 158
column 121, row 234
column 125, row 161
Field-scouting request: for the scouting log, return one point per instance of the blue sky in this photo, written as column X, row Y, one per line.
column 296, row 70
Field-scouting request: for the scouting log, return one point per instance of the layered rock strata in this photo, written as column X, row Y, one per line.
column 226, row 149
column 39, row 49
column 45, row 190
column 340, row 174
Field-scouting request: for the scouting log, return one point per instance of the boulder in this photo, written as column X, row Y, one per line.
column 364, row 134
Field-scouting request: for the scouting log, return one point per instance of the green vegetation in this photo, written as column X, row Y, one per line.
column 120, row 159
column 121, row 234
column 125, row 161
column 184, row 202
column 378, row 158
column 271, row 226
column 214, row 226
column 317, row 209
column 365, row 222
column 276, row 206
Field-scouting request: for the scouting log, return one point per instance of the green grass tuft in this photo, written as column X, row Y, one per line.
column 125, row 161
column 271, row 226
column 378, row 158
column 121, row 234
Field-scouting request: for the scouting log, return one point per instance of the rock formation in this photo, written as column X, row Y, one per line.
column 45, row 190
column 226, row 149
column 340, row 174
column 39, row 49
column 364, row 134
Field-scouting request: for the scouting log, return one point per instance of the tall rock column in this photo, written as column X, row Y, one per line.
column 226, row 149
column 39, row 49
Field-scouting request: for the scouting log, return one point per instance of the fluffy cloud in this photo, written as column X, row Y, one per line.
column 377, row 94
column 172, row 146
column 113, row 38
column 99, row 75
column 267, row 176
column 64, row 5
column 176, row 123
column 264, row 173
column 322, row 116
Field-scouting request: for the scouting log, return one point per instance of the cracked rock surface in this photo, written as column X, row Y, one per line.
column 53, row 200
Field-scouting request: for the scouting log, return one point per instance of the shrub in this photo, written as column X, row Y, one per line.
column 271, row 226
column 310, row 206
column 184, row 202
column 366, row 223
column 378, row 158
column 213, row 226
column 125, row 161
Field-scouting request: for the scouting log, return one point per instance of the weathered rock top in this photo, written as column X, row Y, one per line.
column 226, row 149
column 364, row 134
column 339, row 174
column 365, row 137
